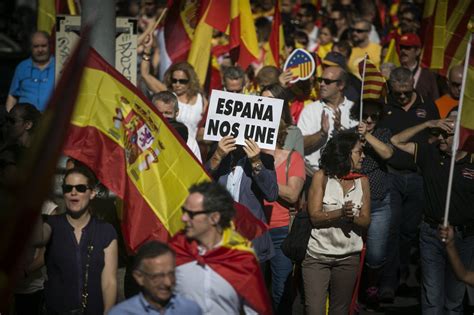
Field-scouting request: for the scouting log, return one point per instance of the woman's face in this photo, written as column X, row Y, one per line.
column 77, row 193
column 179, row 82
column 357, row 156
column 325, row 36
column 371, row 117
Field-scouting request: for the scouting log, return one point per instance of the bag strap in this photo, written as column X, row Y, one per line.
column 288, row 161
column 90, row 249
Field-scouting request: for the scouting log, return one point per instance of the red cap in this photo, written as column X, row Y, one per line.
column 409, row 40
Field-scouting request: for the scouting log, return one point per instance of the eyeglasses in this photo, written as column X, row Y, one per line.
column 436, row 132
column 79, row 188
column 358, row 30
column 407, row 94
column 158, row 276
column 192, row 214
column 180, row 81
column 373, row 116
column 327, row 81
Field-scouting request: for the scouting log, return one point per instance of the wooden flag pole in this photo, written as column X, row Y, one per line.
column 362, row 89
column 455, row 145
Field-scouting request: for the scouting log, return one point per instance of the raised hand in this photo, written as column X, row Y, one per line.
column 362, row 128
column 225, row 146
column 251, row 149
column 324, row 122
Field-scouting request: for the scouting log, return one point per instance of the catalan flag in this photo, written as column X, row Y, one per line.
column 466, row 131
column 374, row 82
column 301, row 64
column 120, row 135
column 235, row 262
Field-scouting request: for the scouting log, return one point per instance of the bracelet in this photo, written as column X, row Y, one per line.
column 146, row 57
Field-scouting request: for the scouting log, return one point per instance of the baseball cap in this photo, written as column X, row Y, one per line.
column 411, row 40
column 335, row 59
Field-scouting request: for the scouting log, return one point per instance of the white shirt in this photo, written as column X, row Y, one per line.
column 340, row 239
column 209, row 289
column 310, row 123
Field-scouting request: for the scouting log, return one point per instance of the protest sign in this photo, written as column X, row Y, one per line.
column 301, row 64
column 243, row 116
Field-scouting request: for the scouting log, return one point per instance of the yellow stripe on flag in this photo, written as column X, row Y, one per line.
column 248, row 34
column 439, row 35
column 467, row 115
column 46, row 15
column 392, row 54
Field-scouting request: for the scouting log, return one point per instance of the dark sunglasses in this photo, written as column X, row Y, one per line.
column 192, row 214
column 436, row 132
column 373, row 116
column 408, row 94
column 358, row 30
column 79, row 188
column 180, row 81
column 327, row 81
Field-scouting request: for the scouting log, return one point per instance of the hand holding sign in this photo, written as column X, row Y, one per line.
column 251, row 149
column 225, row 146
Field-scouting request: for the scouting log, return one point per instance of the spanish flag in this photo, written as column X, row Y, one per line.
column 121, row 136
column 373, row 81
column 46, row 15
column 234, row 261
column 277, row 40
column 466, row 131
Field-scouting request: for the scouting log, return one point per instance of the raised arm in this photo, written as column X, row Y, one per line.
column 109, row 276
column 151, row 82
column 384, row 150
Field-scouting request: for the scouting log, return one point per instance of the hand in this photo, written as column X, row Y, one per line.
column 324, row 123
column 362, row 128
column 337, row 120
column 224, row 147
column 285, row 78
column 148, row 42
column 347, row 210
column 446, row 233
column 446, row 124
column 252, row 150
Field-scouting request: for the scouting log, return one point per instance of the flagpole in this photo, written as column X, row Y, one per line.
column 456, row 133
column 362, row 89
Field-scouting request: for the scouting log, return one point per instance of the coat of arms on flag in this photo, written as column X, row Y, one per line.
column 301, row 64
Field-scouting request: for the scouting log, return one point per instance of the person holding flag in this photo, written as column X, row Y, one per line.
column 442, row 293
column 216, row 267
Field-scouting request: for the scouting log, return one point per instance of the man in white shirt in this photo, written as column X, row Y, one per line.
column 321, row 119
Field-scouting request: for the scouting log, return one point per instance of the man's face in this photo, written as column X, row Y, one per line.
column 408, row 23
column 40, row 48
column 234, row 86
column 359, row 33
column 338, row 19
column 196, row 225
column 16, row 125
column 150, row 8
column 402, row 92
column 286, row 6
column 409, row 55
column 168, row 110
column 330, row 84
column 304, row 17
column 156, row 277
column 454, row 84
column 76, row 201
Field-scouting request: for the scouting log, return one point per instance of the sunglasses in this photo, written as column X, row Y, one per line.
column 408, row 94
column 436, row 132
column 180, row 81
column 79, row 188
column 192, row 214
column 358, row 30
column 327, row 81
column 373, row 116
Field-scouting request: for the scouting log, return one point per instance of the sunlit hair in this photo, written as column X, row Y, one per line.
column 194, row 87
column 336, row 158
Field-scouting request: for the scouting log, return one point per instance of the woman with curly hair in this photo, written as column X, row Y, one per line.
column 339, row 209
column 182, row 80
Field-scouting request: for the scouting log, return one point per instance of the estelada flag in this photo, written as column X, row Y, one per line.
column 374, row 81
column 121, row 136
column 233, row 260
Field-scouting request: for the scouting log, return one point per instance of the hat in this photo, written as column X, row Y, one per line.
column 411, row 40
column 335, row 59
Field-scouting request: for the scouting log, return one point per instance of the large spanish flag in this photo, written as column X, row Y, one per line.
column 120, row 135
column 466, row 132
column 234, row 261
column 373, row 82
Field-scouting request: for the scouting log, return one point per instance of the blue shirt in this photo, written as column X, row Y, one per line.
column 32, row 85
column 137, row 304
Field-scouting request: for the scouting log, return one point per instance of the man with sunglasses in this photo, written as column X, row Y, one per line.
column 33, row 81
column 306, row 18
column 442, row 293
column 361, row 45
column 216, row 266
column 405, row 109
column 450, row 100
column 424, row 80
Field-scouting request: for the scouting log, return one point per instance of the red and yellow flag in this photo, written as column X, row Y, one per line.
column 374, row 81
column 277, row 39
column 46, row 15
column 466, row 131
column 434, row 33
column 234, row 261
column 120, row 135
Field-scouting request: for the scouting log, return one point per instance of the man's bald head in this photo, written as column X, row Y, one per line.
column 455, row 81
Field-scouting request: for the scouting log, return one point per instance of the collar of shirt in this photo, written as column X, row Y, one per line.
column 147, row 306
column 51, row 62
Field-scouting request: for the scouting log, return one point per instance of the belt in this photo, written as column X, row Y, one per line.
column 466, row 229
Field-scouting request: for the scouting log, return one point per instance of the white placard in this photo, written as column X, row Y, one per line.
column 243, row 116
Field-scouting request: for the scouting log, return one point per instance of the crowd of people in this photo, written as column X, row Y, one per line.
column 374, row 189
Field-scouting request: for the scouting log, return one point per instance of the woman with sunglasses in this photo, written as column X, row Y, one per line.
column 377, row 150
column 339, row 209
column 182, row 80
column 81, row 252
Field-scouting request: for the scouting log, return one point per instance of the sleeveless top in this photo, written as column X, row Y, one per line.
column 342, row 238
column 190, row 115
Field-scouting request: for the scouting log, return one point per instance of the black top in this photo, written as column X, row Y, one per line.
column 435, row 170
column 375, row 167
column 397, row 119
column 66, row 261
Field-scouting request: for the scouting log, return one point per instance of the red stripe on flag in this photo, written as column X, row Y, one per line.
column 218, row 15
column 466, row 139
column 176, row 37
